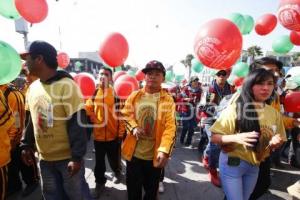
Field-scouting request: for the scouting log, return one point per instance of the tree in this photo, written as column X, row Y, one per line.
column 188, row 63
column 254, row 51
column 296, row 56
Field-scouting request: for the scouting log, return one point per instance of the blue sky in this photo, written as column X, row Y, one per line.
column 155, row 29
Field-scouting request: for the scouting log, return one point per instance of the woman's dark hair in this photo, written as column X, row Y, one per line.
column 247, row 118
column 108, row 69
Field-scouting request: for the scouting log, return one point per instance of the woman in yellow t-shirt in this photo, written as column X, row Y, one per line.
column 247, row 130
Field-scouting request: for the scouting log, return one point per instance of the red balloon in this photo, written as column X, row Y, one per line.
column 140, row 75
column 238, row 81
column 114, row 50
column 118, row 74
column 295, row 37
column 86, row 83
column 63, row 60
column 289, row 14
column 33, row 11
column 218, row 44
column 292, row 102
column 265, row 24
column 125, row 85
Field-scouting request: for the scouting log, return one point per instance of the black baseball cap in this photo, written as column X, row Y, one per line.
column 44, row 49
column 154, row 64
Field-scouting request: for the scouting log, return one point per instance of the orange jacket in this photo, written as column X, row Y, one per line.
column 103, row 110
column 16, row 102
column 165, row 125
column 6, row 122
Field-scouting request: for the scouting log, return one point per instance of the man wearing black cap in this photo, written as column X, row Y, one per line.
column 56, row 112
column 149, row 114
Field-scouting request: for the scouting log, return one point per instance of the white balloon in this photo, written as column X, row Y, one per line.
column 293, row 71
column 179, row 69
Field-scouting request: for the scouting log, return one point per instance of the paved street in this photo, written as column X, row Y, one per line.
column 185, row 179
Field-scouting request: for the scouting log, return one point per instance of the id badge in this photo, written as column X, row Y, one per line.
column 50, row 115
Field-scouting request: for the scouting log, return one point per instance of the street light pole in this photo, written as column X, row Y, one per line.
column 22, row 27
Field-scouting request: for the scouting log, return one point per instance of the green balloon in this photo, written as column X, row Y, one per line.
column 238, row 20
column 231, row 79
column 179, row 78
column 212, row 72
column 8, row 9
column 249, row 24
column 10, row 63
column 196, row 66
column 78, row 64
column 240, row 69
column 118, row 69
column 131, row 72
column 282, row 44
column 169, row 76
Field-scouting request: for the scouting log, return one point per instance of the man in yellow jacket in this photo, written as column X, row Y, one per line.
column 149, row 114
column 16, row 102
column 6, row 122
column 107, row 129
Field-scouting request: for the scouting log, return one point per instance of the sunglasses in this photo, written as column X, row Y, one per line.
column 104, row 74
column 221, row 73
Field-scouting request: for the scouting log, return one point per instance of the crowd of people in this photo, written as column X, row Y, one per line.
column 243, row 130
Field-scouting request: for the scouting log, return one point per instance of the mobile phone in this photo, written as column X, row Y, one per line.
column 233, row 161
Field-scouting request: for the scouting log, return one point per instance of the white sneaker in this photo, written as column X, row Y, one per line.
column 161, row 187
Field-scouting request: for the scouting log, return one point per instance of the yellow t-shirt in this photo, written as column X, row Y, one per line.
column 50, row 106
column 146, row 115
column 270, row 121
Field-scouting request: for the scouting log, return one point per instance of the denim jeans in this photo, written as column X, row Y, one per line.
column 212, row 150
column 57, row 183
column 188, row 125
column 238, row 182
column 85, row 186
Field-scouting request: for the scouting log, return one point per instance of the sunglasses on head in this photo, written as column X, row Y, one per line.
column 221, row 73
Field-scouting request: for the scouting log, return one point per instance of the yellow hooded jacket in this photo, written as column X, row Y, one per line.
column 103, row 110
column 16, row 102
column 165, row 125
column 6, row 122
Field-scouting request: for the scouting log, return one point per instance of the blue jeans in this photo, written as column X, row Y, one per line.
column 212, row 150
column 188, row 125
column 238, row 182
column 85, row 186
column 57, row 183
